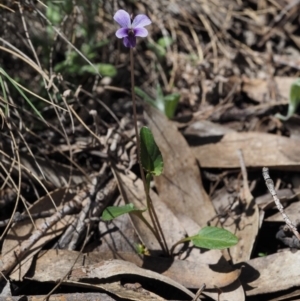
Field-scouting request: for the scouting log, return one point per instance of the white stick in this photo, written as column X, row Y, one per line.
column 270, row 185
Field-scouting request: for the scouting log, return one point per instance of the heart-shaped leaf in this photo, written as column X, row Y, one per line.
column 151, row 156
column 214, row 238
column 114, row 211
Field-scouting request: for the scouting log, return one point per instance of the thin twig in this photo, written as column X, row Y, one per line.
column 199, row 292
column 270, row 185
column 20, row 218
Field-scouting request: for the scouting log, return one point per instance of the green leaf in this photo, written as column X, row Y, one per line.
column 160, row 102
column 165, row 42
column 214, row 238
column 171, row 103
column 159, row 51
column 114, row 211
column 149, row 100
column 294, row 100
column 144, row 96
column 103, row 69
column 151, row 156
column 166, row 104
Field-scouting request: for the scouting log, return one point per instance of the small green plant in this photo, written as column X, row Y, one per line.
column 73, row 64
column 160, row 48
column 142, row 250
column 152, row 162
column 149, row 156
column 166, row 104
column 294, row 100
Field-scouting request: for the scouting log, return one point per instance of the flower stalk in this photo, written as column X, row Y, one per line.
column 128, row 32
column 153, row 216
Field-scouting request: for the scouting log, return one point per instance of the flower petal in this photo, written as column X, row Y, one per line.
column 129, row 41
column 122, row 18
column 122, row 33
column 140, row 32
column 141, row 21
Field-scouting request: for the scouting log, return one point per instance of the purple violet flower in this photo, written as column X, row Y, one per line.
column 130, row 31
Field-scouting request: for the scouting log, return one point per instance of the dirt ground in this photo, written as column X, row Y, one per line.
column 68, row 149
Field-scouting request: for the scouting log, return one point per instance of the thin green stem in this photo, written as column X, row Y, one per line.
column 142, row 218
column 156, row 224
column 152, row 213
column 181, row 241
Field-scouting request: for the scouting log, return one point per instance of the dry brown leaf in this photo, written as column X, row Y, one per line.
column 246, row 231
column 115, row 267
column 128, row 292
column 233, row 291
column 289, row 295
column 246, row 228
column 218, row 276
column 271, row 273
column 244, row 225
column 64, row 297
column 206, row 129
column 133, row 192
column 258, row 89
column 20, row 232
column 259, row 150
column 191, row 274
column 180, row 185
column 53, row 265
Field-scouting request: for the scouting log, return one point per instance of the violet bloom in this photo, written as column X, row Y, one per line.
column 130, row 31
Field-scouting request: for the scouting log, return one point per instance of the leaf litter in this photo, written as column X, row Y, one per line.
column 233, row 65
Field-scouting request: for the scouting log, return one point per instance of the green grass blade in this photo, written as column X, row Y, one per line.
column 4, row 95
column 22, row 94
